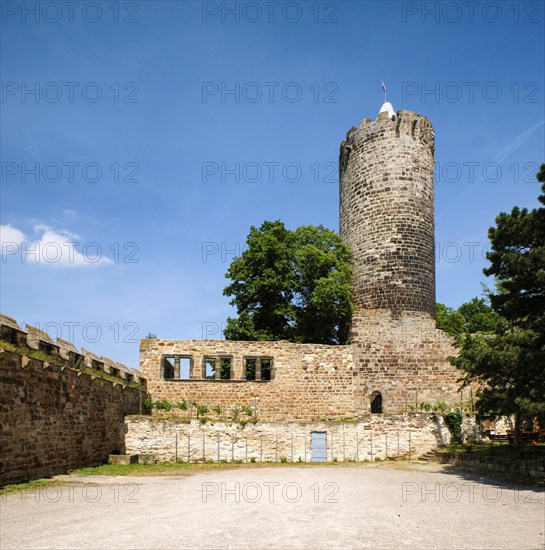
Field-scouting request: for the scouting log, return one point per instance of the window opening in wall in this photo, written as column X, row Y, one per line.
column 376, row 402
column 250, row 368
column 225, row 368
column 214, row 364
column 177, row 367
column 210, row 369
column 185, row 368
column 168, row 367
column 266, row 369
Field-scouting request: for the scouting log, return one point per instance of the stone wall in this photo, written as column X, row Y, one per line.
column 397, row 356
column 55, row 418
column 376, row 437
column 308, row 381
column 533, row 468
column 404, row 358
column 34, row 339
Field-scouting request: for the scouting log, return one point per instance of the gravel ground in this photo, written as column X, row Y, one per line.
column 375, row 506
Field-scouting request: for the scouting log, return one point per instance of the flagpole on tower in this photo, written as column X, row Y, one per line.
column 384, row 88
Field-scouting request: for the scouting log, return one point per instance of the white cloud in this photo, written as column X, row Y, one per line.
column 53, row 247
column 10, row 236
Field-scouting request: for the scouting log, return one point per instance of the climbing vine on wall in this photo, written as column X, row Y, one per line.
column 453, row 420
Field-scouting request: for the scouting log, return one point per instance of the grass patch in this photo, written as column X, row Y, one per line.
column 194, row 467
column 29, row 485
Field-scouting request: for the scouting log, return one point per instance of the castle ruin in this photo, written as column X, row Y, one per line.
column 63, row 408
column 396, row 357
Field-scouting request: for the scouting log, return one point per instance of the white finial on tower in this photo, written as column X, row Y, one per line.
column 386, row 106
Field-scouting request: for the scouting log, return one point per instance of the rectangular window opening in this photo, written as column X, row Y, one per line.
column 266, row 369
column 250, row 369
column 210, row 369
column 185, row 368
column 177, row 367
column 168, row 367
column 226, row 368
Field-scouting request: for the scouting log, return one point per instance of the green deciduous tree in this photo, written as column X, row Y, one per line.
column 471, row 317
column 291, row 285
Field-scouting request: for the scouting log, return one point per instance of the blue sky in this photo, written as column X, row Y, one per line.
column 162, row 140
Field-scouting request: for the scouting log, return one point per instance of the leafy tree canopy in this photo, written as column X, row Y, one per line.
column 472, row 317
column 291, row 285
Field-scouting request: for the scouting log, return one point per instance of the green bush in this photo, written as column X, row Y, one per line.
column 162, row 404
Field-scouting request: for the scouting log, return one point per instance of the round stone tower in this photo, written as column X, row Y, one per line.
column 386, row 212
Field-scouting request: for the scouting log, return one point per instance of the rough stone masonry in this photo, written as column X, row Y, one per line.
column 396, row 357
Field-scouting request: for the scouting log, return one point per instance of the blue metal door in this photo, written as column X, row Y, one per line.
column 319, row 447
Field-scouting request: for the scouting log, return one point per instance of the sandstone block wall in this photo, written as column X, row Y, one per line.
column 387, row 212
column 376, row 437
column 404, row 358
column 55, row 418
column 401, row 357
column 308, row 381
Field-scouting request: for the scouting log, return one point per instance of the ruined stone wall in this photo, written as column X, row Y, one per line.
column 387, row 212
column 404, row 358
column 55, row 418
column 308, row 381
column 375, row 438
column 525, row 468
column 387, row 219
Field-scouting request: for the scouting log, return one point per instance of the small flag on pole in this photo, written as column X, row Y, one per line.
column 384, row 89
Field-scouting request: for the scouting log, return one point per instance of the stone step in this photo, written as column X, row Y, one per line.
column 428, row 456
column 132, row 459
